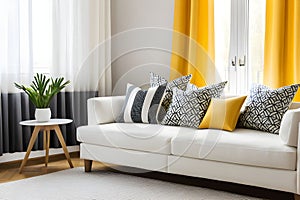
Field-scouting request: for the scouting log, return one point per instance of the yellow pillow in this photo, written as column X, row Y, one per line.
column 223, row 113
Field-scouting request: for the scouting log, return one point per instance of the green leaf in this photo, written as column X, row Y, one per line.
column 43, row 89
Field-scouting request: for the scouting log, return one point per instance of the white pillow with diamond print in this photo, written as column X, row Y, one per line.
column 215, row 90
column 265, row 107
column 187, row 108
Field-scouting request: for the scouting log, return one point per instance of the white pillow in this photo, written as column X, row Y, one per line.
column 288, row 131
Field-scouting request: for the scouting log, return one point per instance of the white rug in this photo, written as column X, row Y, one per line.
column 76, row 184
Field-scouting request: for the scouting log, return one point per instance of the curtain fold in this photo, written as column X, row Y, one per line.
column 81, row 44
column 15, row 66
column 193, row 41
column 282, row 44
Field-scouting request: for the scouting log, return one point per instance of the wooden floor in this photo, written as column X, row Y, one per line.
column 36, row 167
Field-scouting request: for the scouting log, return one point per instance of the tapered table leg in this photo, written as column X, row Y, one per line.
column 45, row 139
column 31, row 143
column 47, row 145
column 63, row 144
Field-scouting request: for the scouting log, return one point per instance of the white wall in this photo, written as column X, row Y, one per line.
column 141, row 41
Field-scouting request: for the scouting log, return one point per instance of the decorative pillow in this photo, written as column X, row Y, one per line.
column 223, row 113
column 265, row 107
column 191, row 86
column 141, row 106
column 187, row 108
column 215, row 90
column 157, row 80
column 180, row 83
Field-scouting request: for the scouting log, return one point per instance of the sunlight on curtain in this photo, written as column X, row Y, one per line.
column 15, row 65
column 282, row 44
column 193, row 41
column 81, row 44
column 42, row 35
column 16, row 45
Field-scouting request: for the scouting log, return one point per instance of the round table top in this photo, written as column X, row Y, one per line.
column 54, row 121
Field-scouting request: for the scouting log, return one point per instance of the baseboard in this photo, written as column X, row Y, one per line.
column 18, row 156
column 38, row 160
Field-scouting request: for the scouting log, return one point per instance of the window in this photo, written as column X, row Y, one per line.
column 239, row 35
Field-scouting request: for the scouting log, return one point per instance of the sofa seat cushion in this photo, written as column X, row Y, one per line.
column 142, row 137
column 243, row 146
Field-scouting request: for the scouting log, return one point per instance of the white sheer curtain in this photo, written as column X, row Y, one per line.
column 81, row 48
column 15, row 43
column 16, row 61
column 81, row 53
column 81, row 44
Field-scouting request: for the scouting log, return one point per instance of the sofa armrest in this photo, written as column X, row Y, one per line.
column 298, row 163
column 102, row 110
column 289, row 127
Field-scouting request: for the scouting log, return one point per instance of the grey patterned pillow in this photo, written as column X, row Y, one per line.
column 215, row 90
column 191, row 86
column 265, row 107
column 187, row 109
column 156, row 80
column 180, row 83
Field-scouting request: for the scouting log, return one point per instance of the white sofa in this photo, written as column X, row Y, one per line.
column 243, row 156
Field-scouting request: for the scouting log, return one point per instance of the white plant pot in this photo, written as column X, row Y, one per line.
column 42, row 114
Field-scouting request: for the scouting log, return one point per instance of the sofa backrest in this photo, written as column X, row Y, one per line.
column 295, row 105
column 103, row 110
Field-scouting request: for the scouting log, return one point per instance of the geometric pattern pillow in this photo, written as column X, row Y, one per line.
column 187, row 108
column 191, row 86
column 180, row 83
column 215, row 90
column 141, row 106
column 156, row 80
column 265, row 107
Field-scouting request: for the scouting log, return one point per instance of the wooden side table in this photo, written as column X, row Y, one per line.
column 46, row 127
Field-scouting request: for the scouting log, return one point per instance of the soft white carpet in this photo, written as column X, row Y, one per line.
column 76, row 184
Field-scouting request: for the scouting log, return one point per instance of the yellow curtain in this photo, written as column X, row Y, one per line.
column 193, row 41
column 282, row 43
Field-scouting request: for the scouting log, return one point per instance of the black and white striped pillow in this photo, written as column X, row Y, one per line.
column 142, row 106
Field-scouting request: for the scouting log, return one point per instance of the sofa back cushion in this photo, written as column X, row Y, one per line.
column 294, row 105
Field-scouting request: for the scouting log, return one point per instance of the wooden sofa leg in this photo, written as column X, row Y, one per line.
column 296, row 196
column 88, row 165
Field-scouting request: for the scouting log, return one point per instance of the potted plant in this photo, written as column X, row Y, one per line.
column 40, row 93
